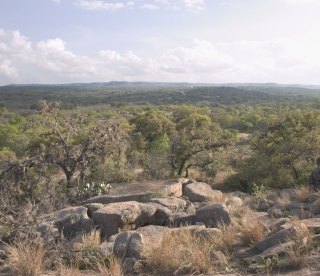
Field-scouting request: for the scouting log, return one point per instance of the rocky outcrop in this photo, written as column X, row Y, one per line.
column 201, row 192
column 141, row 192
column 130, row 215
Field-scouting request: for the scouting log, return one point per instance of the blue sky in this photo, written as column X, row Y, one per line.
column 214, row 41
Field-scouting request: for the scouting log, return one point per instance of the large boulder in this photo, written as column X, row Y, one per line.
column 132, row 244
column 129, row 215
column 200, row 192
column 213, row 215
column 69, row 222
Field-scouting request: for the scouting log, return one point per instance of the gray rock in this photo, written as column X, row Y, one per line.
column 69, row 221
column 93, row 207
column 130, row 215
column 172, row 203
column 200, row 192
column 279, row 237
column 128, row 265
column 234, row 202
column 217, row 258
column 133, row 243
column 213, row 215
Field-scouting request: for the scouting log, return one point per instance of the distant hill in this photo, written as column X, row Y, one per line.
column 21, row 97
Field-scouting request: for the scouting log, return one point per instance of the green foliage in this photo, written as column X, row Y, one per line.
column 90, row 189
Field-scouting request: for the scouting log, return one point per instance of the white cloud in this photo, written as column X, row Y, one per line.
column 194, row 5
column 297, row 2
column 103, row 5
column 94, row 5
column 50, row 61
column 151, row 7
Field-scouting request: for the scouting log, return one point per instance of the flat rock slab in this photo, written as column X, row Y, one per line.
column 140, row 191
column 280, row 237
column 310, row 223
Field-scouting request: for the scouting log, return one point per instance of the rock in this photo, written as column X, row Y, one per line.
column 200, row 192
column 208, row 233
column 276, row 212
column 262, row 205
column 280, row 237
column 106, row 248
column 128, row 265
column 93, row 207
column 299, row 206
column 172, row 203
column 313, row 223
column 193, row 229
column 128, row 244
column 239, row 194
column 130, row 215
column 277, row 249
column 217, row 258
column 133, row 243
column 213, row 215
column 140, row 192
column 69, row 221
column 183, row 220
column 3, row 255
column 234, row 202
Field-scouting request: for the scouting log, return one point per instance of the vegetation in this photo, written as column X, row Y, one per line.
column 55, row 154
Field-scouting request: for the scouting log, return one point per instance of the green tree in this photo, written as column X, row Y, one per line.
column 197, row 138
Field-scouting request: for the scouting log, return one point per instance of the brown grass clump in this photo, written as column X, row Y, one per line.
column 180, row 251
column 253, row 233
column 302, row 193
column 301, row 248
column 114, row 268
column 91, row 240
column 26, row 259
column 228, row 238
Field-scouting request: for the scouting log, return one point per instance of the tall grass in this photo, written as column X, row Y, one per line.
column 26, row 259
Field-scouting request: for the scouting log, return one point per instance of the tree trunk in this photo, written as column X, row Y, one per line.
column 182, row 166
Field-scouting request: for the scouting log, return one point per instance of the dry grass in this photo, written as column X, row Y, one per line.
column 228, row 238
column 109, row 267
column 240, row 213
column 91, row 240
column 253, row 233
column 283, row 200
column 178, row 251
column 221, row 177
column 114, row 268
column 26, row 259
column 301, row 248
column 302, row 193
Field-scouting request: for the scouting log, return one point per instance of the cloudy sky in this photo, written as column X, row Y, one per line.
column 213, row 41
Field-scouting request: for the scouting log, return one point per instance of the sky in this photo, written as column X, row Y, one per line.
column 207, row 41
